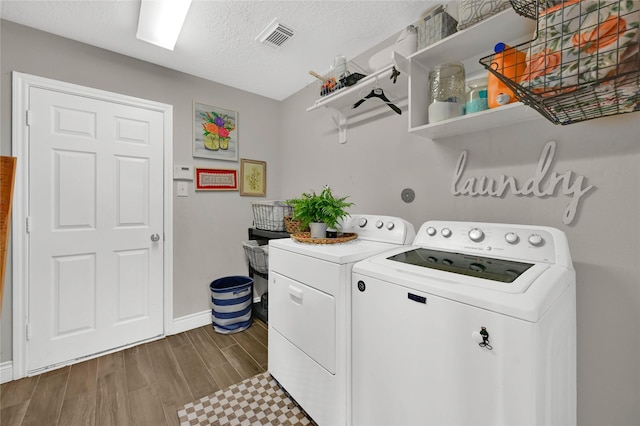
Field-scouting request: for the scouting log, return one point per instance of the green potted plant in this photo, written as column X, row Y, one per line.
column 312, row 209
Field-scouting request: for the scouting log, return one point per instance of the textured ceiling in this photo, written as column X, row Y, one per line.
column 218, row 40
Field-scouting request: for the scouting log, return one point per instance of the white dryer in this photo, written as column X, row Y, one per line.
column 309, row 312
column 474, row 324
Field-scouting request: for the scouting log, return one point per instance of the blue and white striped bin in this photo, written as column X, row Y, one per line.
column 232, row 299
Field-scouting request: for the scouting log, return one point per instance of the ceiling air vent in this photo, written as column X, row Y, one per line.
column 275, row 35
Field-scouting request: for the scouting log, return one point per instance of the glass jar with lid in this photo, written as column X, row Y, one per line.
column 447, row 92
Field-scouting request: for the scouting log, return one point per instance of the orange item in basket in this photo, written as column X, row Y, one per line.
column 509, row 62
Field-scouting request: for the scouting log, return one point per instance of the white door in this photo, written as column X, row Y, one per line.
column 95, row 226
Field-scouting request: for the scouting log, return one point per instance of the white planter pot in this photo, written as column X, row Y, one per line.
column 318, row 229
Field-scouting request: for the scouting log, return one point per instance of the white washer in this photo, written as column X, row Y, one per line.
column 309, row 303
column 474, row 324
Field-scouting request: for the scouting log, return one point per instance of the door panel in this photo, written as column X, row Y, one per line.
column 72, row 122
column 132, row 175
column 132, row 131
column 133, row 285
column 74, row 294
column 96, row 197
column 74, row 196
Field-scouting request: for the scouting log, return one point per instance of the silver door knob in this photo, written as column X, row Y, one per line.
column 155, row 237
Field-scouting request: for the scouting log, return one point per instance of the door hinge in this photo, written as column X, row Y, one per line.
column 29, row 117
column 28, row 331
column 28, row 224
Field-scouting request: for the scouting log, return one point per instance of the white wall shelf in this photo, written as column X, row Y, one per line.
column 479, row 121
column 411, row 89
column 466, row 46
column 342, row 100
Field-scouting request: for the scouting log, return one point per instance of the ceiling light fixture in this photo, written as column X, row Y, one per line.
column 161, row 21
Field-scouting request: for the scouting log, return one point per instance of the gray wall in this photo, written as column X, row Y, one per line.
column 378, row 161
column 208, row 226
column 381, row 158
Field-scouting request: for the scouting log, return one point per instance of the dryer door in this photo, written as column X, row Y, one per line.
column 304, row 316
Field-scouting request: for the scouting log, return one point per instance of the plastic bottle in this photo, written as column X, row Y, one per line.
column 476, row 96
column 509, row 62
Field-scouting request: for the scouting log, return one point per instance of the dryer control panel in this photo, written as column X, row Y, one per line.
column 385, row 229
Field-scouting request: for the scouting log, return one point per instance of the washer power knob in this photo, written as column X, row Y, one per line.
column 511, row 237
column 476, row 235
column 362, row 222
column 536, row 240
column 431, row 231
column 446, row 232
column 379, row 224
column 390, row 226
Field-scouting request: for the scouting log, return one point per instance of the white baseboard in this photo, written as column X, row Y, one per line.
column 6, row 371
column 189, row 322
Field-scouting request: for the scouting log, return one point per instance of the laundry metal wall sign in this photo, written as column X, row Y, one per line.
column 542, row 184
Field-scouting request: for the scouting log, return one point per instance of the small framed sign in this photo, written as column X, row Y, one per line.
column 253, row 177
column 216, row 180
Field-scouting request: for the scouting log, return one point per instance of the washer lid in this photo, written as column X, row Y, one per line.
column 499, row 270
column 527, row 297
column 453, row 270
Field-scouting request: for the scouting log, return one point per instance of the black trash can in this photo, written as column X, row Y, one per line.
column 232, row 299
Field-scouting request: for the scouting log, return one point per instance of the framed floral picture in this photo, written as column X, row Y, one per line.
column 216, row 180
column 215, row 133
column 253, row 177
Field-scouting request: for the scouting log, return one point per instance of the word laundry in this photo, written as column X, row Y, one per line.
column 486, row 186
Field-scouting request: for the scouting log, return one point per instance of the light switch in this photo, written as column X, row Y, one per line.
column 183, row 172
column 183, row 189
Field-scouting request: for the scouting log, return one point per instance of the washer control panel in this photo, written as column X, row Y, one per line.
column 535, row 243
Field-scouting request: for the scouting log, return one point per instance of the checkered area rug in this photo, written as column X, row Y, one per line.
column 258, row 400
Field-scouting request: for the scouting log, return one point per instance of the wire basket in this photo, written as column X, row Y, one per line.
column 269, row 215
column 529, row 8
column 331, row 82
column 436, row 26
column 257, row 256
column 584, row 62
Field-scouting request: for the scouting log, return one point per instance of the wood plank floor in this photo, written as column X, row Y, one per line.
column 143, row 385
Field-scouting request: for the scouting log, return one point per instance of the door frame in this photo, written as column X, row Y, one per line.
column 22, row 83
